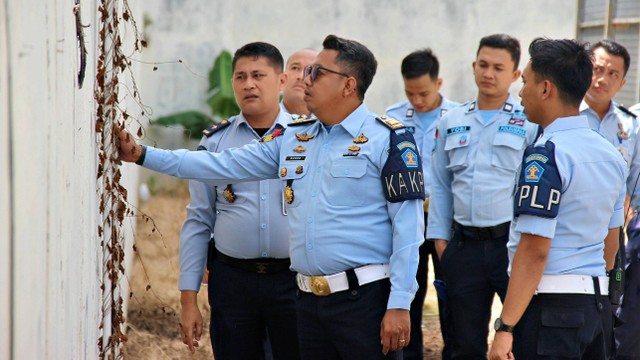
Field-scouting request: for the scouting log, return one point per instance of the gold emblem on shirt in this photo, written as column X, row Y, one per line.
column 304, row 137
column 299, row 149
column 228, row 194
column 360, row 139
column 283, row 172
column 288, row 194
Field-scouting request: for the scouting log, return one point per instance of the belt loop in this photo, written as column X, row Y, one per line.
column 596, row 290
column 353, row 279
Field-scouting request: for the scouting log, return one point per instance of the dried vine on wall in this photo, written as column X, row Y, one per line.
column 113, row 206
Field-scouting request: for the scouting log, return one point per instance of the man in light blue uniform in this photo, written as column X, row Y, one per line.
column 353, row 190
column 613, row 121
column 293, row 87
column 251, row 289
column 478, row 149
column 420, row 114
column 559, row 252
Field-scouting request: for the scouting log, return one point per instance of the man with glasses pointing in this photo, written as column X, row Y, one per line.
column 353, row 189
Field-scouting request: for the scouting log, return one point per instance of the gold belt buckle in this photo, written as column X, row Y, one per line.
column 319, row 286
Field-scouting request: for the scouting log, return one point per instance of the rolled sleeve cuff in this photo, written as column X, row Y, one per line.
column 617, row 219
column 434, row 234
column 400, row 300
column 190, row 282
column 535, row 225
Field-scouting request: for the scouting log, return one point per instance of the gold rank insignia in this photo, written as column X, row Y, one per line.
column 360, row 139
column 288, row 194
column 354, row 148
column 283, row 172
column 299, row 149
column 304, row 137
column 299, row 169
column 228, row 194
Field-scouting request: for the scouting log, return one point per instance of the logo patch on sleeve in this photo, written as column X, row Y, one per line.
column 402, row 177
column 539, row 187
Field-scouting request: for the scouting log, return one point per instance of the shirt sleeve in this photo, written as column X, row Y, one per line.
column 617, row 218
column 441, row 200
column 254, row 161
column 407, row 220
column 633, row 184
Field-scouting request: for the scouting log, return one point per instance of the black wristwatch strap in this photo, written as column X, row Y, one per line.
column 142, row 155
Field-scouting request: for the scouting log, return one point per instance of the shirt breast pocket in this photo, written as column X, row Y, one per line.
column 293, row 186
column 346, row 187
column 456, row 147
column 507, row 151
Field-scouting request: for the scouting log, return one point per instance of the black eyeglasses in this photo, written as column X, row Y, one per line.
column 312, row 72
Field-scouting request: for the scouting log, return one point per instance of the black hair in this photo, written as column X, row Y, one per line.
column 420, row 63
column 615, row 49
column 256, row 50
column 355, row 60
column 502, row 41
column 566, row 63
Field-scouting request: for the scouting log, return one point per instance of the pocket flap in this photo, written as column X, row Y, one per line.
column 509, row 139
column 351, row 168
column 562, row 317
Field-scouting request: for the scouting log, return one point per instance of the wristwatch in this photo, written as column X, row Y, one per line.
column 500, row 326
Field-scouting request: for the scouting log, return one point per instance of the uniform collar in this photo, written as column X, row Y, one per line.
column 353, row 123
column 508, row 107
column 585, row 107
column 282, row 119
column 567, row 123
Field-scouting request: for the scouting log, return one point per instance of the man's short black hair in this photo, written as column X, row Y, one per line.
column 355, row 60
column 502, row 41
column 256, row 50
column 566, row 63
column 615, row 49
column 419, row 63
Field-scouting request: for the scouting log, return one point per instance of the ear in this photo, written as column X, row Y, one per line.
column 547, row 88
column 516, row 75
column 350, row 86
column 284, row 77
column 473, row 66
column 439, row 83
column 624, row 81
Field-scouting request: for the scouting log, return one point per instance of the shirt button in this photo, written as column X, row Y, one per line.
column 313, row 194
column 309, row 220
column 264, row 254
column 346, row 172
column 263, row 226
column 263, row 197
column 309, row 247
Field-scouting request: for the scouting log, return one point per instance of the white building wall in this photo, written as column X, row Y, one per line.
column 50, row 254
column 195, row 31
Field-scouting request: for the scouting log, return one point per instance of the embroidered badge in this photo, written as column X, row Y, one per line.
column 512, row 130
column 409, row 113
column 304, row 137
column 410, row 158
column 463, row 140
column 406, row 144
column 360, row 139
column 273, row 135
column 516, row 120
column 402, row 177
column 228, row 194
column 533, row 172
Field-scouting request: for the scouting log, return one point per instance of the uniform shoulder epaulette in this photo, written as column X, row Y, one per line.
column 391, row 123
column 302, row 119
column 627, row 111
column 215, row 128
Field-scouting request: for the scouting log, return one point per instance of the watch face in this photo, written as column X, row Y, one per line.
column 497, row 324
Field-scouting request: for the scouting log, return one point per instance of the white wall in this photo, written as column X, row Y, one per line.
column 195, row 31
column 50, row 254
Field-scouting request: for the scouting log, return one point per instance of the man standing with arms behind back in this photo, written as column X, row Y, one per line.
column 558, row 250
column 355, row 226
column 251, row 289
column 293, row 88
column 477, row 153
column 420, row 113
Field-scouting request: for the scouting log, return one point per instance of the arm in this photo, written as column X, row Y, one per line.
column 254, row 161
column 408, row 228
column 441, row 200
column 611, row 245
column 194, row 241
column 528, row 266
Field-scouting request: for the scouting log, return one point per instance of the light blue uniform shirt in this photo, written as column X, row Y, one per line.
column 424, row 135
column 339, row 218
column 592, row 174
column 474, row 165
column 621, row 130
column 250, row 227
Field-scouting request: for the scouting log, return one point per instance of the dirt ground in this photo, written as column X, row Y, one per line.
column 154, row 307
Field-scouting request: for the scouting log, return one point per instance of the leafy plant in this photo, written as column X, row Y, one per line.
column 221, row 100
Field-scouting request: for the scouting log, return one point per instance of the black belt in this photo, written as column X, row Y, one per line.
column 482, row 233
column 258, row 266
